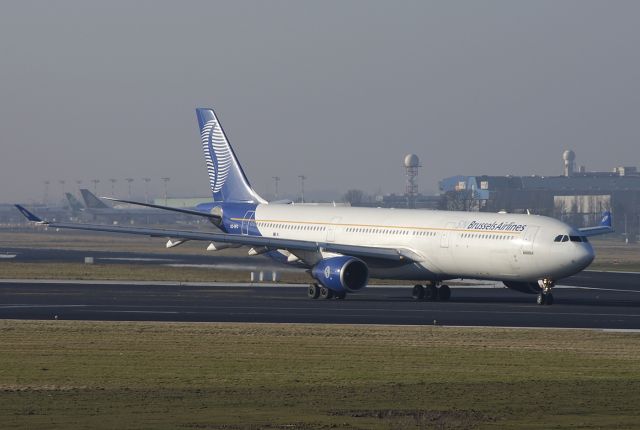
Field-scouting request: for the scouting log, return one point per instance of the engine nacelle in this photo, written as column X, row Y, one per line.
column 523, row 287
column 341, row 274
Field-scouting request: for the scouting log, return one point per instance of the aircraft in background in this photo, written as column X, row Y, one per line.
column 74, row 205
column 343, row 247
column 91, row 201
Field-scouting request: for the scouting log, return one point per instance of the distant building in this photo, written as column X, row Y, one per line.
column 417, row 201
column 578, row 197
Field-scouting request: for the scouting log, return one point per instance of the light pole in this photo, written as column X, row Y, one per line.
column 302, row 178
column 95, row 185
column 276, row 179
column 165, row 189
column 146, row 189
column 129, row 180
column 62, row 182
column 113, row 183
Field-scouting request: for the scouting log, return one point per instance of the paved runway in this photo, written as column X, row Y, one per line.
column 606, row 301
column 49, row 255
column 590, row 299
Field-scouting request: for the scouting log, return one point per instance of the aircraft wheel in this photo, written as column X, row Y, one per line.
column 430, row 293
column 444, row 293
column 549, row 299
column 541, row 300
column 326, row 293
column 314, row 291
column 340, row 296
column 418, row 292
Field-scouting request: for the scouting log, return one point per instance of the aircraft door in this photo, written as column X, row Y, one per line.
column 528, row 237
column 331, row 229
column 247, row 219
column 446, row 235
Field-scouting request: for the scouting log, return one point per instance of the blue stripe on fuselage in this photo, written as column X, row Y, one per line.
column 237, row 218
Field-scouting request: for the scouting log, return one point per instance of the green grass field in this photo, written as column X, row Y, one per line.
column 133, row 272
column 87, row 375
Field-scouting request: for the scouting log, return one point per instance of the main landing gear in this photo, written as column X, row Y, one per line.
column 545, row 297
column 316, row 291
column 431, row 292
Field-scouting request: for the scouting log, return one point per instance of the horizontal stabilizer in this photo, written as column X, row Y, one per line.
column 28, row 215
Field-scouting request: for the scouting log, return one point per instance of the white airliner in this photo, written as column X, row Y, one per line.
column 344, row 246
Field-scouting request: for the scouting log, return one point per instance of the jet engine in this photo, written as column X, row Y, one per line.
column 523, row 287
column 341, row 274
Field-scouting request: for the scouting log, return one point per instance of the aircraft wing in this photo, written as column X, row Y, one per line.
column 213, row 217
column 604, row 227
column 392, row 254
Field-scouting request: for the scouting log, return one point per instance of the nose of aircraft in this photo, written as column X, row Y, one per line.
column 583, row 255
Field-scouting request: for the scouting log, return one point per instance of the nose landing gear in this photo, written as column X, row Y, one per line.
column 545, row 297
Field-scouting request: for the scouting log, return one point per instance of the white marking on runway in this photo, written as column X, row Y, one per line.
column 26, row 306
column 568, row 287
column 381, row 311
column 108, row 311
column 611, row 271
column 135, row 259
column 215, row 284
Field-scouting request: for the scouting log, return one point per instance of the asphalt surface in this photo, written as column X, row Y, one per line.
column 588, row 306
column 49, row 255
column 602, row 300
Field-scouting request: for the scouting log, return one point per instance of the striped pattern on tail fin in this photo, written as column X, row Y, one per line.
column 226, row 178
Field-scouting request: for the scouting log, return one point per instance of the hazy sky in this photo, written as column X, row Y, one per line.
column 337, row 90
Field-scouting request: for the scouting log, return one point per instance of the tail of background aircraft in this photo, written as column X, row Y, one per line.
column 74, row 204
column 604, row 227
column 91, row 200
column 226, row 178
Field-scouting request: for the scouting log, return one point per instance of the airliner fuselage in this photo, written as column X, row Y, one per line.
column 446, row 244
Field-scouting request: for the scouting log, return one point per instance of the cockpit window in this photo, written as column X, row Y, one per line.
column 565, row 238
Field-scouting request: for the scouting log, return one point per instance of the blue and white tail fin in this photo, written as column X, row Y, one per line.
column 228, row 181
column 604, row 227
